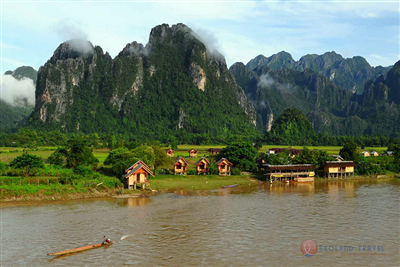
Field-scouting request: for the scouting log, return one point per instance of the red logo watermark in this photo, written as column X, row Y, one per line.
column 309, row 248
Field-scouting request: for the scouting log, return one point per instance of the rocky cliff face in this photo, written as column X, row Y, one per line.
column 349, row 73
column 144, row 89
column 329, row 108
column 379, row 105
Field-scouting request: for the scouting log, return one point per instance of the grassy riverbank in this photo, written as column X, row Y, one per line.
column 21, row 190
column 197, row 182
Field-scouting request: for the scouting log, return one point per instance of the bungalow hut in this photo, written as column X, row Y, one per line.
column 202, row 166
column 292, row 152
column 336, row 169
column 389, row 153
column 214, row 151
column 291, row 172
column 374, row 153
column 170, row 152
column 224, row 167
column 138, row 173
column 365, row 154
column 193, row 153
column 337, row 157
column 180, row 166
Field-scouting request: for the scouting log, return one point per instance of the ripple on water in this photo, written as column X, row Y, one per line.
column 262, row 226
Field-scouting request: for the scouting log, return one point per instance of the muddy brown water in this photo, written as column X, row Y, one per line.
column 261, row 225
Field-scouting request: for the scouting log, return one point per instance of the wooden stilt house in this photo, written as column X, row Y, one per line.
column 224, row 167
column 202, row 166
column 291, row 172
column 193, row 153
column 338, row 169
column 214, row 151
column 180, row 166
column 170, row 152
column 138, row 173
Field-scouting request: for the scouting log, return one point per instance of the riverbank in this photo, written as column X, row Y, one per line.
column 160, row 183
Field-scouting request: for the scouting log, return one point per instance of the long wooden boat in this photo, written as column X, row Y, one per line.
column 229, row 186
column 79, row 249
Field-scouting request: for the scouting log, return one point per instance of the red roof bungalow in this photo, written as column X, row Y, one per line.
column 214, row 151
column 193, row 153
column 201, row 166
column 224, row 167
column 292, row 152
column 170, row 152
column 138, row 173
column 180, row 166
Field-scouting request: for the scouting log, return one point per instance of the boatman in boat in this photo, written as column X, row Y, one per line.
column 106, row 241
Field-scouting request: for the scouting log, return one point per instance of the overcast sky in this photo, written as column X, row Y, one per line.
column 239, row 30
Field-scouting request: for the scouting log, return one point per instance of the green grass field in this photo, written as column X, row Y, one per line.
column 183, row 150
column 7, row 154
column 195, row 182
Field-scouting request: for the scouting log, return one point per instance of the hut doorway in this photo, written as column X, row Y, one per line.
column 138, row 178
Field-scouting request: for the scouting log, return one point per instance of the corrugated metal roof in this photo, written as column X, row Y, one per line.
column 290, row 167
column 339, row 163
column 138, row 167
column 200, row 160
column 221, row 160
column 179, row 159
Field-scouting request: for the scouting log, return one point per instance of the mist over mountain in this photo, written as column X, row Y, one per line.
column 172, row 85
column 329, row 108
column 178, row 84
column 17, row 95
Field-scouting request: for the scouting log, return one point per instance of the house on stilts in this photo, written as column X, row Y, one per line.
column 291, row 172
column 193, row 153
column 170, row 152
column 180, row 166
column 202, row 166
column 136, row 174
column 338, row 169
column 224, row 167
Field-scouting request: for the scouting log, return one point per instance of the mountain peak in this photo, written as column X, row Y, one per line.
column 73, row 48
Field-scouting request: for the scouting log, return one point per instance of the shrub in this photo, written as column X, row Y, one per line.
column 235, row 171
column 84, row 171
column 191, row 172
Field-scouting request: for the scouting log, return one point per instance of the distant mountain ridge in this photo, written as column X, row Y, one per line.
column 349, row 73
column 329, row 108
column 12, row 113
column 23, row 72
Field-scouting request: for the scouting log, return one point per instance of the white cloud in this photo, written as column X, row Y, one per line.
column 239, row 30
column 265, row 81
column 13, row 62
column 376, row 60
column 13, row 90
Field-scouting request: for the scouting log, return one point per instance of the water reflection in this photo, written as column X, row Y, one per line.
column 258, row 225
column 136, row 202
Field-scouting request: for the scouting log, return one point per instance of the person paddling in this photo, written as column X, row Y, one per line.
column 105, row 241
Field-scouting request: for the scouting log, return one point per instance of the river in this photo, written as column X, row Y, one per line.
column 259, row 225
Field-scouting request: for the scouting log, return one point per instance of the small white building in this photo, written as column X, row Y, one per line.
column 365, row 154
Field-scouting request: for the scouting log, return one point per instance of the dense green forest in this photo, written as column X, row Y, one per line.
column 172, row 88
column 176, row 91
column 329, row 108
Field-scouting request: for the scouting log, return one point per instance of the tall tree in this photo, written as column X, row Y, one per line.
column 349, row 151
column 160, row 157
column 76, row 153
column 241, row 154
column 27, row 163
column 120, row 159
